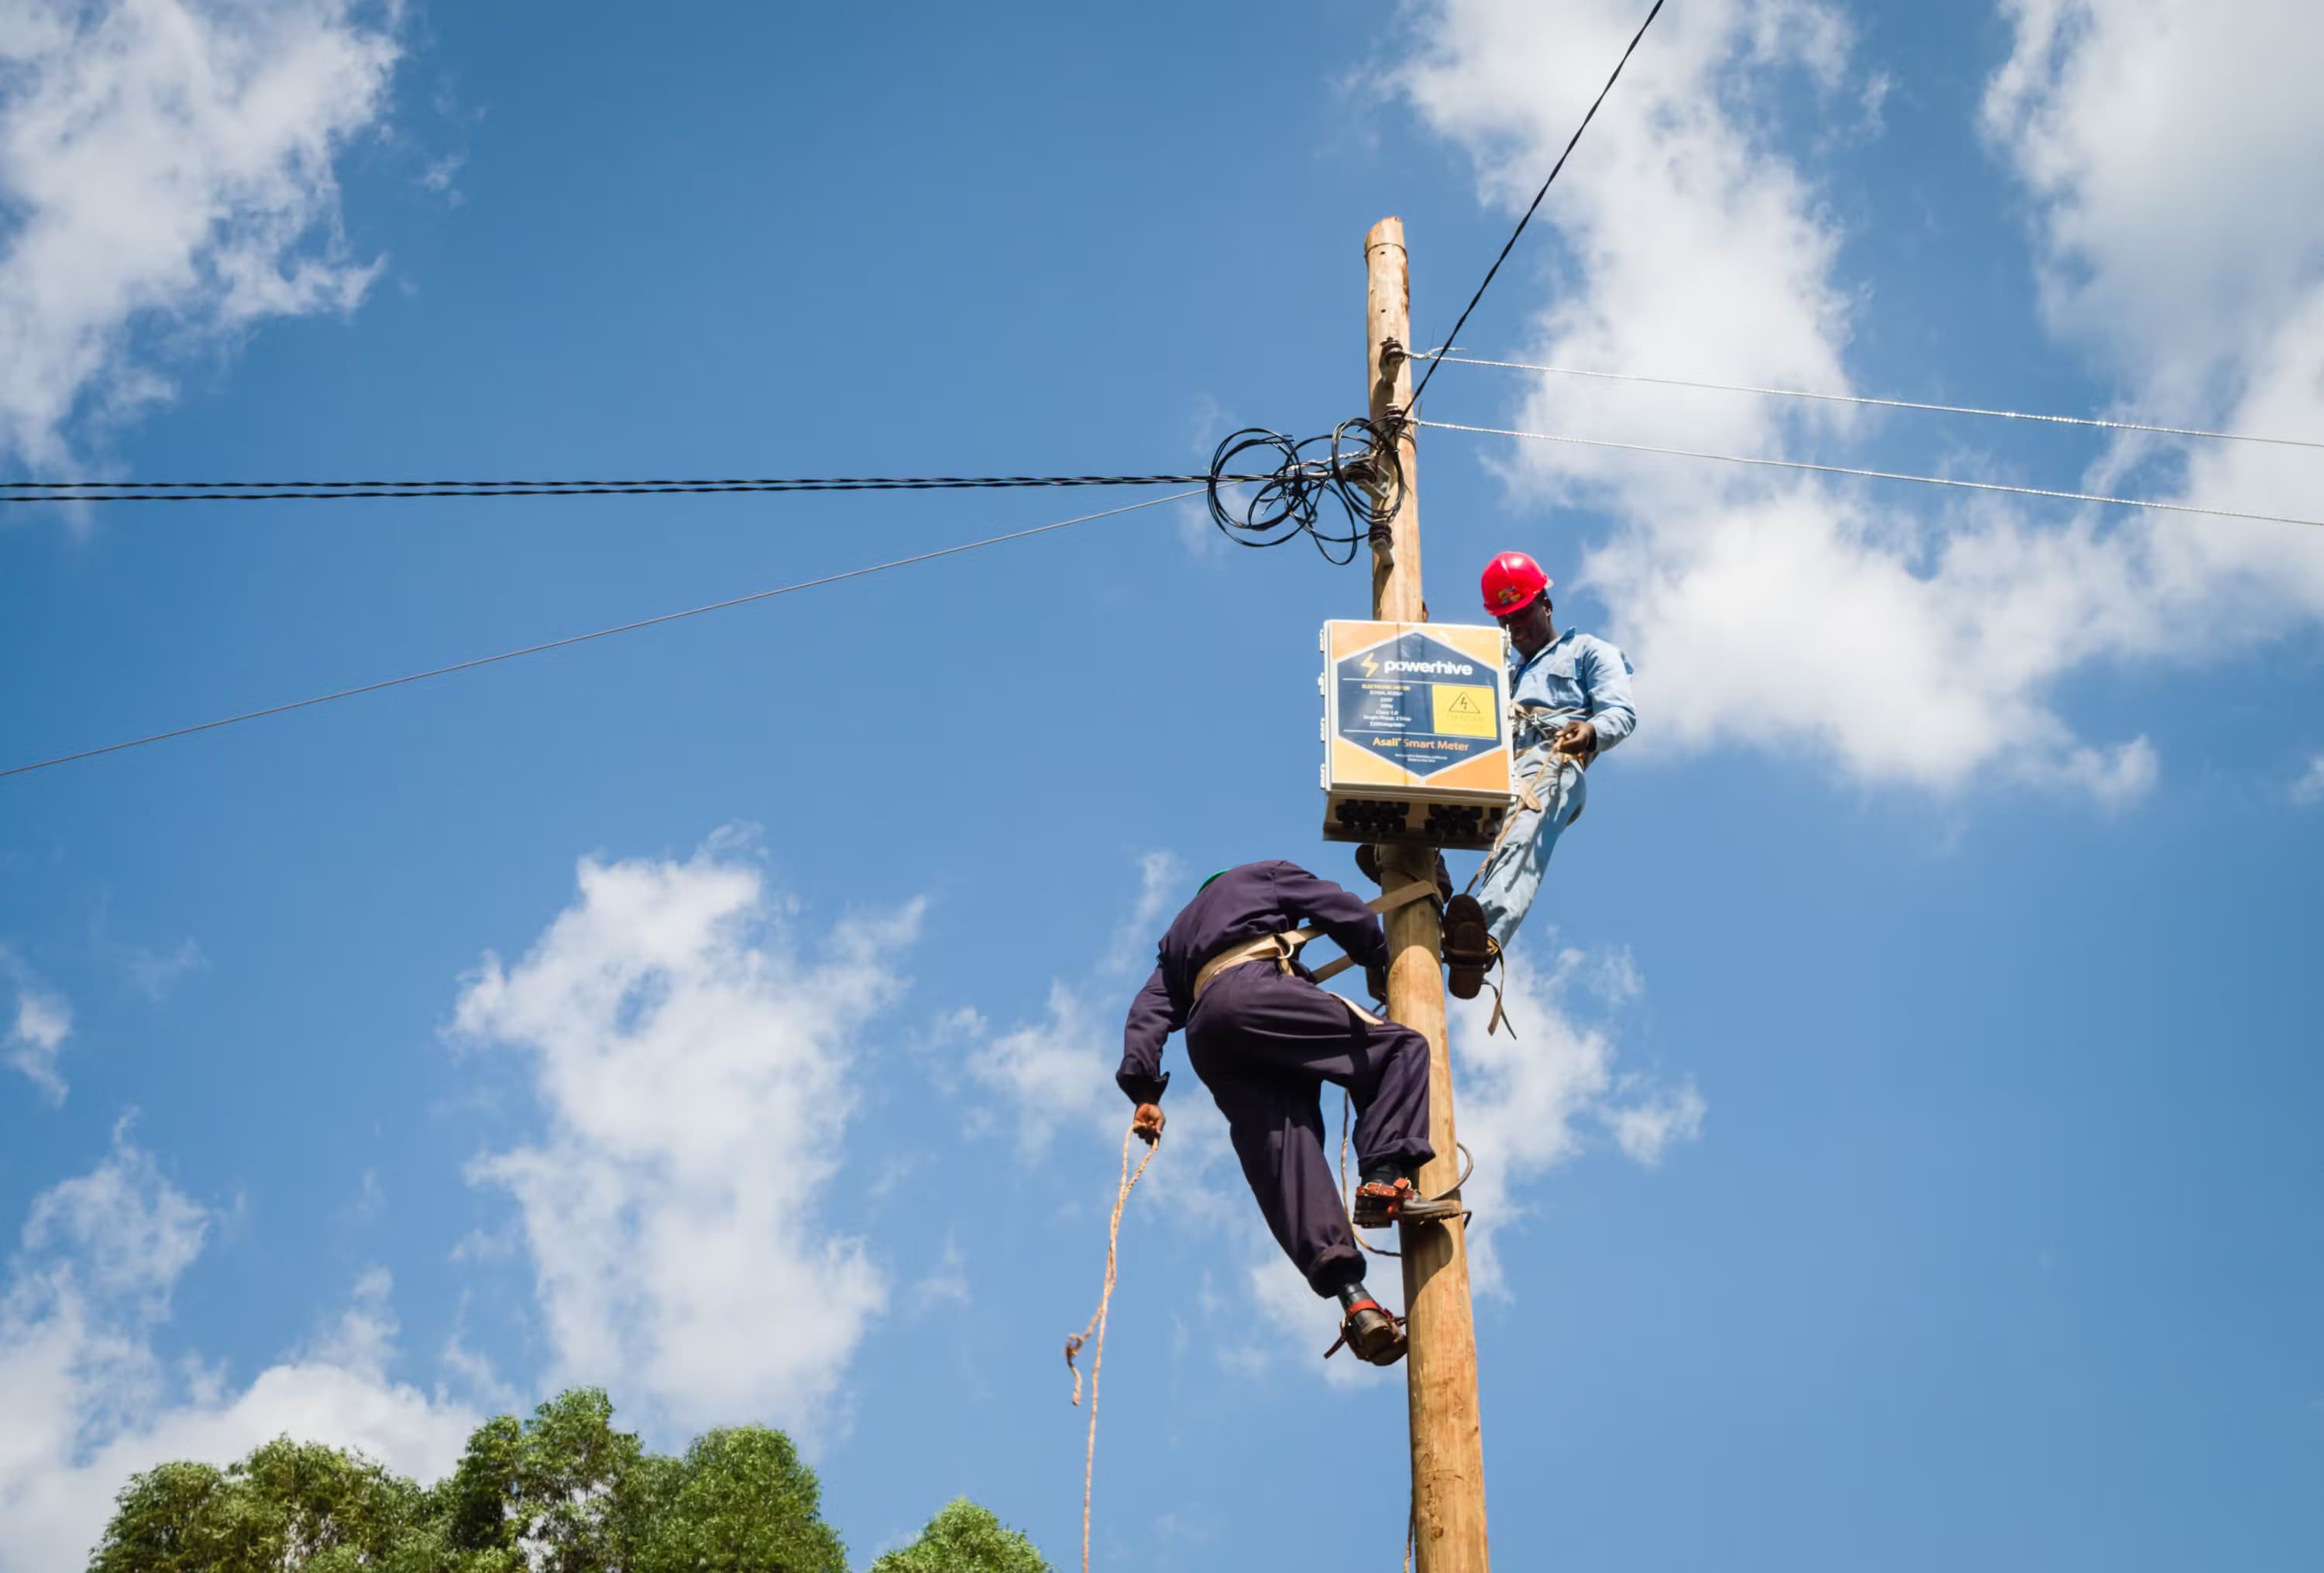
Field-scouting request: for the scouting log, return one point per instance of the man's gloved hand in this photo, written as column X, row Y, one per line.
column 1578, row 738
column 1148, row 1122
column 1376, row 983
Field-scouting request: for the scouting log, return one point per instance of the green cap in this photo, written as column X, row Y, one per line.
column 1206, row 884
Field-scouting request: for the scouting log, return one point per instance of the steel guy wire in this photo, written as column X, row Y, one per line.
column 1453, row 338
column 2089, row 420
column 2152, row 502
column 535, row 649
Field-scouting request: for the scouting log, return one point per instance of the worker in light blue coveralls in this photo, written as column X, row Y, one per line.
column 1571, row 697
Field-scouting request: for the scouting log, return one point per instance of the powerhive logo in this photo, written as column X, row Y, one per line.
column 1373, row 668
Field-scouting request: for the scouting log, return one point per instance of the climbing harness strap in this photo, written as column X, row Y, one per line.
column 1283, row 949
column 1275, row 947
column 1388, row 901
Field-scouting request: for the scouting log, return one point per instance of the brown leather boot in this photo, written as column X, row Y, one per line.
column 1468, row 947
column 1372, row 1335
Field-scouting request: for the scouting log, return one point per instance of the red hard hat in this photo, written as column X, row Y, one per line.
column 1512, row 580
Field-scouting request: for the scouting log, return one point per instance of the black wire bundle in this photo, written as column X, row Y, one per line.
column 338, row 491
column 1358, row 468
column 1355, row 464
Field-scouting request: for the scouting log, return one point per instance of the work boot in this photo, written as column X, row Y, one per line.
column 1394, row 1198
column 1390, row 1193
column 1372, row 1335
column 1378, row 1201
column 1367, row 865
column 1468, row 947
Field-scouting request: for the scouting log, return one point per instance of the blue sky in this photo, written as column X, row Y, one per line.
column 1910, row 1157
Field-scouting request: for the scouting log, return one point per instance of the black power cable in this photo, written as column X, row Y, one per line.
column 335, row 491
column 1452, row 338
column 1288, row 501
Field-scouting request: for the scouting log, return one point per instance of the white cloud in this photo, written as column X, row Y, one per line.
column 90, row 1403
column 1663, row 1116
column 166, row 175
column 128, row 1232
column 1055, row 1071
column 1532, row 1096
column 1922, row 639
column 36, row 1036
column 153, row 974
column 946, row 1282
column 694, row 1068
column 1163, row 888
column 2163, row 138
column 2160, row 144
column 2309, row 789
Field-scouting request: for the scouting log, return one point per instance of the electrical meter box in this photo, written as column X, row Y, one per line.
column 1416, row 733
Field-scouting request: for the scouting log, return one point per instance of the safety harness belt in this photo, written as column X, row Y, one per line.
column 1282, row 949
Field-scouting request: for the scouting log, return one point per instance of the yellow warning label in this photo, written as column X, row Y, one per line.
column 1463, row 712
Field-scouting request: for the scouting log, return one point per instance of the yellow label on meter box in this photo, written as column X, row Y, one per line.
column 1462, row 711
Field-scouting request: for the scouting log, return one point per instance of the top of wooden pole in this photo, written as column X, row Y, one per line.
column 1387, row 317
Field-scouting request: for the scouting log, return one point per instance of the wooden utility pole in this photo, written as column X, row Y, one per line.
column 1448, row 1452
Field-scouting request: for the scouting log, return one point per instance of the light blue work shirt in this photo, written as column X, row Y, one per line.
column 1575, row 676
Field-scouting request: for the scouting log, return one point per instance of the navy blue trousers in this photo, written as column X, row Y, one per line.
column 1265, row 1042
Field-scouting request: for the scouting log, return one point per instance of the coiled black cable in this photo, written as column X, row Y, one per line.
column 1358, row 468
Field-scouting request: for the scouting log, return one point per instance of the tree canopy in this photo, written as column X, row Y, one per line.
column 964, row 1539
column 561, row 1492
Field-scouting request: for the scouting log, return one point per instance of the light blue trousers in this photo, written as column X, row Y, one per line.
column 1512, row 874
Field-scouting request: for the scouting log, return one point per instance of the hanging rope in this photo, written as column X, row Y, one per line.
column 1096, row 1329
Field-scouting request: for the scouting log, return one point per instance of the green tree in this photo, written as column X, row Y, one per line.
column 964, row 1539
column 557, row 1485
column 741, row 1503
column 161, row 1522
column 287, row 1506
column 560, row 1491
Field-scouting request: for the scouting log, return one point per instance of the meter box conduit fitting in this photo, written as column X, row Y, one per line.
column 1416, row 733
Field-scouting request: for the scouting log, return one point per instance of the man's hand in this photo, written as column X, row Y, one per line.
column 1578, row 738
column 1148, row 1122
column 1376, row 983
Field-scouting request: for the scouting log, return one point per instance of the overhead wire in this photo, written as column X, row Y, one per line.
column 534, row 649
column 336, row 490
column 1955, row 482
column 2082, row 420
column 1356, row 460
column 1453, row 338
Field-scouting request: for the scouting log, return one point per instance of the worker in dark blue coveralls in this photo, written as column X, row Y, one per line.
column 1265, row 1038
